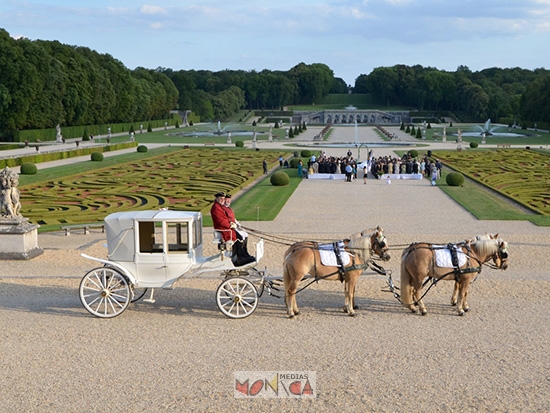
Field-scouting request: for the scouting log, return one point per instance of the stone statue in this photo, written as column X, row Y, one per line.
column 9, row 194
column 58, row 136
column 18, row 237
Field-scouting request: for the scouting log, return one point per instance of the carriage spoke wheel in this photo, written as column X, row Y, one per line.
column 104, row 292
column 237, row 297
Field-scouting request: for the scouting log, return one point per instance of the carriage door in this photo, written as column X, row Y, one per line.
column 178, row 245
column 150, row 258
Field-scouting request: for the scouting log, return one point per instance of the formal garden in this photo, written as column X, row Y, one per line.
column 170, row 177
column 181, row 177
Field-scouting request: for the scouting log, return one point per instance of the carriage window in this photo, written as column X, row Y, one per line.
column 177, row 236
column 149, row 237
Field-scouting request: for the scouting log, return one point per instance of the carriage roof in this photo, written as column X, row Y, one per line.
column 121, row 234
column 120, row 221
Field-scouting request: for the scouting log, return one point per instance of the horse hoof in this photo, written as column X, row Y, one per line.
column 467, row 309
column 461, row 313
column 414, row 310
column 453, row 303
column 356, row 307
column 424, row 312
column 352, row 314
column 291, row 316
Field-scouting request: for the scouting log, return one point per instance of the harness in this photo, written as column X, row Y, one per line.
column 341, row 271
column 456, row 271
column 339, row 263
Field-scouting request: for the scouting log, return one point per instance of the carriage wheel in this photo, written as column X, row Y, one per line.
column 104, row 292
column 237, row 297
column 137, row 294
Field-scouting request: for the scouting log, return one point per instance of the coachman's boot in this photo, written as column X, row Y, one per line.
column 245, row 249
column 239, row 257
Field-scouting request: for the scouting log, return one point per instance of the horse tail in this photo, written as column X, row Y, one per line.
column 405, row 286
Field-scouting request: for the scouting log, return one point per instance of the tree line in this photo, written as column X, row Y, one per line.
column 502, row 95
column 45, row 83
column 217, row 95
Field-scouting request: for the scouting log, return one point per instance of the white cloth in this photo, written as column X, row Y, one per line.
column 241, row 231
column 402, row 176
column 327, row 176
column 328, row 256
column 443, row 257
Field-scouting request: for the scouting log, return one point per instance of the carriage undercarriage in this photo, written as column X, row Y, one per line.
column 106, row 293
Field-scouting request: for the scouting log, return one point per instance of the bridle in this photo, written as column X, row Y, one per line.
column 381, row 242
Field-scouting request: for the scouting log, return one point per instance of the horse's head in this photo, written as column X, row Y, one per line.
column 495, row 249
column 379, row 244
column 501, row 257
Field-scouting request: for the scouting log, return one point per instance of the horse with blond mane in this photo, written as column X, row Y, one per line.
column 421, row 260
column 303, row 260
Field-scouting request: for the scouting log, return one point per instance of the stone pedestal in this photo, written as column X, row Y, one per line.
column 18, row 239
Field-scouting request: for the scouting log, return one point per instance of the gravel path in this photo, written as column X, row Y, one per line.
column 180, row 353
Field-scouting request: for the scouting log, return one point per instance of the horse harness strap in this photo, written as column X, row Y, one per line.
column 339, row 263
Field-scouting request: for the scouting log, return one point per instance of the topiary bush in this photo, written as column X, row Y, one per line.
column 473, row 145
column 454, row 179
column 294, row 162
column 142, row 148
column 306, row 153
column 96, row 156
column 279, row 178
column 28, row 168
column 239, row 144
column 413, row 153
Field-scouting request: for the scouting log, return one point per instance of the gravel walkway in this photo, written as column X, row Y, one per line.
column 180, row 353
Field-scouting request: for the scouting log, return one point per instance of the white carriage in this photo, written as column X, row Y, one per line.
column 153, row 249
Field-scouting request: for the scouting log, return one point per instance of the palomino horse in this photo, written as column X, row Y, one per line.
column 418, row 261
column 303, row 258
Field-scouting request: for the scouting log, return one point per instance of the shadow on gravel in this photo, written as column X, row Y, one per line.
column 48, row 299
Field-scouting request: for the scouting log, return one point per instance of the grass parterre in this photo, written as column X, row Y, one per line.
column 522, row 175
column 184, row 179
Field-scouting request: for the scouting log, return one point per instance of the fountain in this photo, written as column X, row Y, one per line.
column 488, row 130
column 215, row 130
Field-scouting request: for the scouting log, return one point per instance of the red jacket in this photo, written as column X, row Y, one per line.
column 222, row 222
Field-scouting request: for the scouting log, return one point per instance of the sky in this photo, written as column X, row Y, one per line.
column 352, row 37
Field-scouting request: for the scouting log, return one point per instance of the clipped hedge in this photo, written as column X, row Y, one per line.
column 70, row 132
column 239, row 144
column 473, row 145
column 96, row 156
column 455, row 179
column 142, row 148
column 306, row 153
column 55, row 156
column 28, row 168
column 279, row 178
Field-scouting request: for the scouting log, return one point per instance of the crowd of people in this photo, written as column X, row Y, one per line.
column 382, row 165
column 425, row 166
column 325, row 164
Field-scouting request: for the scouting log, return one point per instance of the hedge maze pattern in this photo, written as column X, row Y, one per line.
column 522, row 175
column 182, row 180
